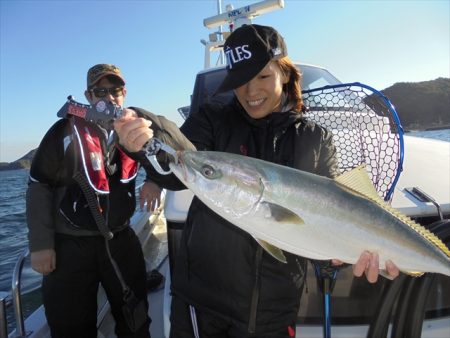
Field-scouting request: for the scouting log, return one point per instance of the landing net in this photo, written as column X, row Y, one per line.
column 366, row 130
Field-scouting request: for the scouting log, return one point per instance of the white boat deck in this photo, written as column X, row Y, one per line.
column 426, row 166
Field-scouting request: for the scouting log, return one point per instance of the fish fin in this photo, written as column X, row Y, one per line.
column 281, row 214
column 357, row 181
column 275, row 252
column 414, row 273
column 386, row 275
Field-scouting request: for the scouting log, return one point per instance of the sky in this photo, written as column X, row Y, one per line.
column 46, row 48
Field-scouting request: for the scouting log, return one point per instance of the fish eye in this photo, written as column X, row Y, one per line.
column 208, row 171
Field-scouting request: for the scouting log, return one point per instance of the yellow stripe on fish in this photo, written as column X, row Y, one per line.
column 359, row 182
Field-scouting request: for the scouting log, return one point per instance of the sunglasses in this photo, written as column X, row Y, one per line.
column 102, row 92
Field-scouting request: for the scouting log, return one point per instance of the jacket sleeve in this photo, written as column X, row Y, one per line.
column 40, row 196
column 201, row 126
column 328, row 163
column 168, row 132
column 315, row 151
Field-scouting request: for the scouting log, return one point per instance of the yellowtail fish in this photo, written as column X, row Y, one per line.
column 310, row 215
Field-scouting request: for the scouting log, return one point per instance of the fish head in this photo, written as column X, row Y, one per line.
column 221, row 181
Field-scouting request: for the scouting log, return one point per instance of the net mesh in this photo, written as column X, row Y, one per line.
column 365, row 129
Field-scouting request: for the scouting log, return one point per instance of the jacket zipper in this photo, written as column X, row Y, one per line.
column 255, row 293
column 258, row 261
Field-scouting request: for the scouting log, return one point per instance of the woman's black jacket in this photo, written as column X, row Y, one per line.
column 220, row 268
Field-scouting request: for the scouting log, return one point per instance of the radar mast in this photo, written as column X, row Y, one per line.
column 234, row 18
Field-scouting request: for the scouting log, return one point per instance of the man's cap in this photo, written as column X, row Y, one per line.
column 248, row 50
column 96, row 72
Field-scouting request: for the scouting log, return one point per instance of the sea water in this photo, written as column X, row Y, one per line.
column 441, row 134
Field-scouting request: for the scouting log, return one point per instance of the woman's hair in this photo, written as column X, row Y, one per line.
column 292, row 89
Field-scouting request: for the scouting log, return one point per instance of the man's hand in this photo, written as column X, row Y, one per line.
column 133, row 131
column 150, row 193
column 43, row 261
column 368, row 264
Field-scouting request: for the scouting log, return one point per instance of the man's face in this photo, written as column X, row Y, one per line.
column 105, row 90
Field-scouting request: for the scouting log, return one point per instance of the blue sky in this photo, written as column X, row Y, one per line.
column 46, row 48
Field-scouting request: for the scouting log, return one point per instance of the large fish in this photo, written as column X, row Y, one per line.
column 310, row 215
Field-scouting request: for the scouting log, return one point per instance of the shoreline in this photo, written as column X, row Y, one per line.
column 431, row 128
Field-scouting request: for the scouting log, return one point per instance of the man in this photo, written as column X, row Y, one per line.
column 78, row 179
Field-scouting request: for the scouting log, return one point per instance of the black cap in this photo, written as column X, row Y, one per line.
column 248, row 50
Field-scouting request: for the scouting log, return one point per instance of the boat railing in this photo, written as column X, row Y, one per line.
column 3, row 327
column 15, row 293
column 15, row 301
column 15, row 290
column 424, row 197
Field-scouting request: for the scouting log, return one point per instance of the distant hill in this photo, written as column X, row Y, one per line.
column 22, row 163
column 421, row 105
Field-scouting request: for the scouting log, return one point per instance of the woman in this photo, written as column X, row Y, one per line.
column 224, row 284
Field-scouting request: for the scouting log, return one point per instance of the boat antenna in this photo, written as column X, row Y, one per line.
column 234, row 18
column 219, row 12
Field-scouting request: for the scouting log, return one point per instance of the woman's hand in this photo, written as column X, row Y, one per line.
column 368, row 264
column 133, row 131
column 150, row 193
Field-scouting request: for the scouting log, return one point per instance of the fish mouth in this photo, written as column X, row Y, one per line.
column 179, row 167
column 185, row 167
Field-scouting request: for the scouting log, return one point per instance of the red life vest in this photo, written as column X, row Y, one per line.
column 92, row 158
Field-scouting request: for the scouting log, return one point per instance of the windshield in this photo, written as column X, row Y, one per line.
column 315, row 77
column 207, row 83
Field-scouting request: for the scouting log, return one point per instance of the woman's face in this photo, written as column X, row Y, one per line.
column 262, row 95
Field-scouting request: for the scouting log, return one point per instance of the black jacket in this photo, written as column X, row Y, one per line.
column 220, row 268
column 55, row 202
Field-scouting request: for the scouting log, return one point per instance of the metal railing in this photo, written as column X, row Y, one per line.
column 16, row 300
column 16, row 296
column 3, row 326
